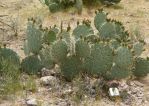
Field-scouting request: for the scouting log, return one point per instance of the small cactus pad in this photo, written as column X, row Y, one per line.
column 79, row 6
column 100, row 60
column 117, row 73
column 46, row 58
column 31, row 65
column 100, row 19
column 34, row 38
column 123, row 57
column 54, row 7
column 82, row 31
column 138, row 48
column 141, row 67
column 107, row 31
column 10, row 55
column 49, row 37
column 59, row 51
column 70, row 67
column 82, row 49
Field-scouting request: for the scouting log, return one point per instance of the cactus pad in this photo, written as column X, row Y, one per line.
column 59, row 51
column 100, row 19
column 141, row 67
column 31, row 65
column 10, row 55
column 46, row 58
column 70, row 67
column 82, row 31
column 34, row 38
column 117, row 73
column 49, row 37
column 100, row 60
column 107, row 31
column 123, row 57
column 82, row 49
column 138, row 48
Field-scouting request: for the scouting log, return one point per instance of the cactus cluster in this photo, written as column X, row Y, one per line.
column 108, row 51
column 57, row 5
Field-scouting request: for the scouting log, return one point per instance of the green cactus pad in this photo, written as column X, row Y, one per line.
column 54, row 7
column 141, row 67
column 100, row 19
column 31, row 65
column 26, row 48
column 46, row 58
column 123, row 57
column 82, row 31
column 34, row 38
column 82, row 49
column 117, row 73
column 138, row 48
column 107, row 31
column 49, row 37
column 100, row 60
column 120, row 31
column 79, row 6
column 70, row 67
column 59, row 51
column 9, row 55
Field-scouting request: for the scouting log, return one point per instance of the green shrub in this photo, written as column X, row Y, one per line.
column 57, row 5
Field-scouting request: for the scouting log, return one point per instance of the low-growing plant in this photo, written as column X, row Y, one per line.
column 57, row 5
column 9, row 78
column 107, row 52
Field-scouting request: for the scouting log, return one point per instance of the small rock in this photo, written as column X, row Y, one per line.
column 31, row 102
column 49, row 80
column 138, row 83
column 47, row 72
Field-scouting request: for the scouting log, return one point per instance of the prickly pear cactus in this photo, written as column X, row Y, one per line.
column 100, row 19
column 70, row 68
column 9, row 55
column 59, row 51
column 82, row 49
column 100, row 60
column 46, row 58
column 49, row 37
column 141, row 67
column 79, row 6
column 107, row 31
column 31, row 65
column 117, row 73
column 123, row 57
column 119, row 30
column 82, row 31
column 109, row 2
column 138, row 48
column 34, row 38
column 54, row 7
column 26, row 48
